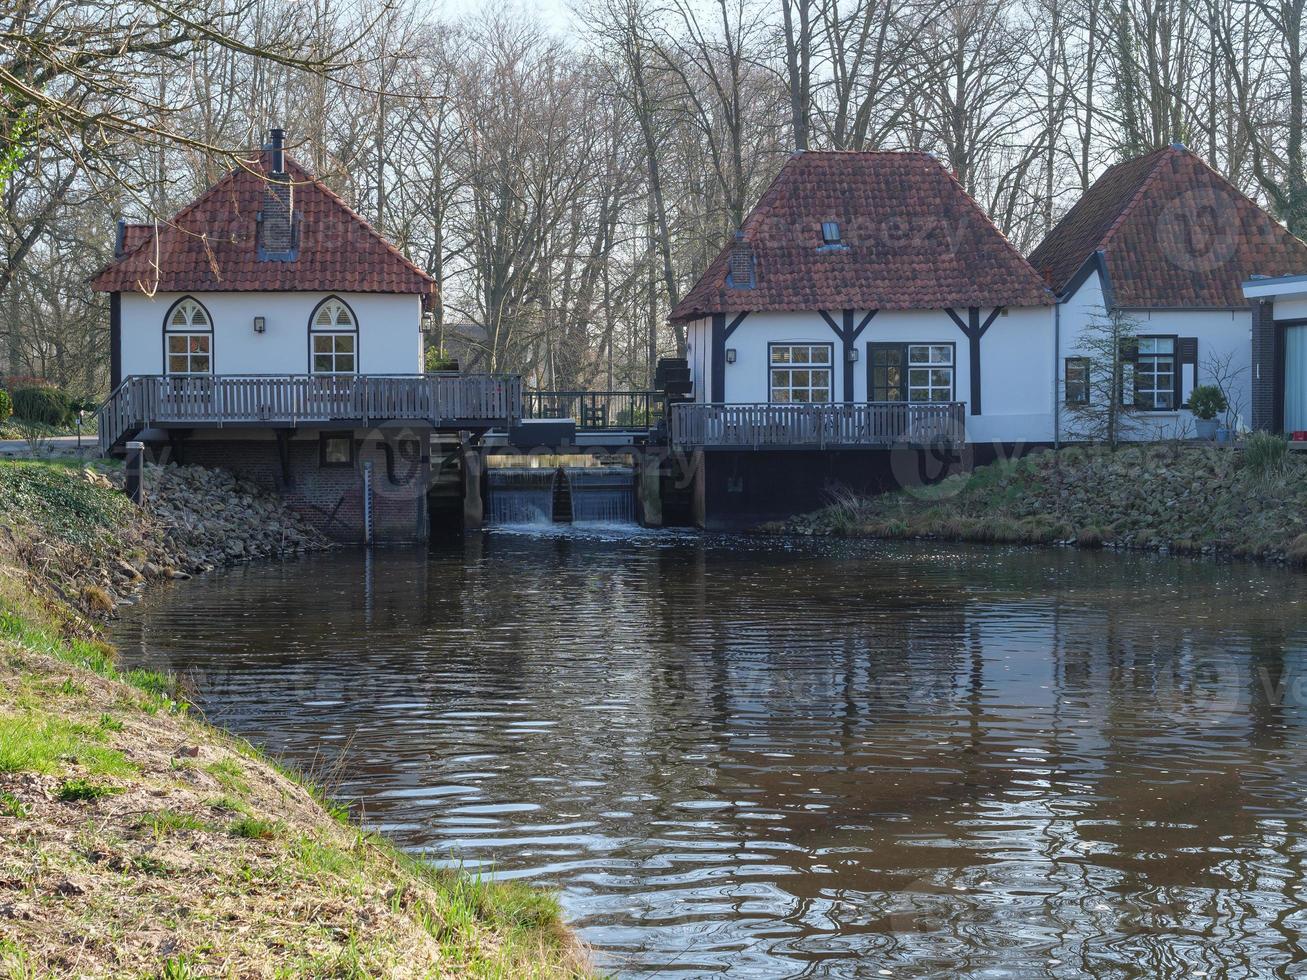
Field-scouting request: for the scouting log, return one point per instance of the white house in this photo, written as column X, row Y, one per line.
column 269, row 329
column 1279, row 372
column 872, row 278
column 268, row 272
column 1166, row 242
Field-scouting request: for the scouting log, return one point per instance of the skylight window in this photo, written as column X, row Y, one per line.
column 830, row 232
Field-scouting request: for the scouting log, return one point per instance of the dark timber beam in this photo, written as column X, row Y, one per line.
column 973, row 330
column 848, row 333
column 721, row 332
column 115, row 341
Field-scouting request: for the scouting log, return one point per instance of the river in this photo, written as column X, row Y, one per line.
column 760, row 757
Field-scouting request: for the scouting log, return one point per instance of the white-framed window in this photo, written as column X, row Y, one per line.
column 930, row 372
column 910, row 372
column 1154, row 381
column 333, row 338
column 188, row 338
column 799, row 372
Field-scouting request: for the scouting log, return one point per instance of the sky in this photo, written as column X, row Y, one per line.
column 556, row 15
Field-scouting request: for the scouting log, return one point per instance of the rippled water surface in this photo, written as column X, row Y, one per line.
column 806, row 759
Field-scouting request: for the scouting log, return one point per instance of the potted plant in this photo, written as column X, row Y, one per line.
column 1206, row 402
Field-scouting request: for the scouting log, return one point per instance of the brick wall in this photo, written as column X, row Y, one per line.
column 1263, row 367
column 330, row 498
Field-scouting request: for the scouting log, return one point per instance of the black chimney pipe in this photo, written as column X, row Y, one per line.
column 277, row 140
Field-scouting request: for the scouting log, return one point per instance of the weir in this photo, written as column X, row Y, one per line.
column 602, row 494
column 519, row 496
column 580, row 495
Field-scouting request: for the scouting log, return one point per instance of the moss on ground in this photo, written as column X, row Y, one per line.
column 136, row 840
column 1182, row 499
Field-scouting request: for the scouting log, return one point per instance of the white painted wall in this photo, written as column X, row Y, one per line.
column 1221, row 335
column 1016, row 362
column 390, row 335
column 1291, row 308
column 698, row 351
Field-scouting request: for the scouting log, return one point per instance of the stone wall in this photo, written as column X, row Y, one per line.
column 330, row 498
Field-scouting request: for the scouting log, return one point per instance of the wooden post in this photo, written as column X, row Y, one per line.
column 134, row 473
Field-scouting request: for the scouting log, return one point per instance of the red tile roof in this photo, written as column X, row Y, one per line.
column 1174, row 234
column 133, row 236
column 212, row 245
column 914, row 239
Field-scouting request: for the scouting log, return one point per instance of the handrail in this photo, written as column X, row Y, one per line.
column 757, row 426
column 596, row 410
column 288, row 399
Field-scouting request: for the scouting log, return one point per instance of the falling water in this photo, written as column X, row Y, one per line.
column 603, row 494
column 520, row 496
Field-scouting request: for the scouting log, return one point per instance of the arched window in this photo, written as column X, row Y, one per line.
column 188, row 338
column 333, row 338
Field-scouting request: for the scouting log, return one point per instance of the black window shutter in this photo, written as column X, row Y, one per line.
column 1186, row 358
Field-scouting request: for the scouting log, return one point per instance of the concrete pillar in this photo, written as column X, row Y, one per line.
column 699, row 494
column 423, row 486
column 474, row 507
column 134, row 473
column 651, row 489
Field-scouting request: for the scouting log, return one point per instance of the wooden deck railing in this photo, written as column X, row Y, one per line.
column 435, row 399
column 762, row 426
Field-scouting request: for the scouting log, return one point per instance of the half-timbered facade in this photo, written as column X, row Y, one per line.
column 871, row 283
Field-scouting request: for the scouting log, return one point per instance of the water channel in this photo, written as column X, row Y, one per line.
column 755, row 757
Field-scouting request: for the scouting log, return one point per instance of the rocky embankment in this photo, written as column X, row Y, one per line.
column 1172, row 498
column 194, row 520
column 209, row 518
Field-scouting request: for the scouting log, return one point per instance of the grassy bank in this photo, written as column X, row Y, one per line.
column 136, row 840
column 1171, row 498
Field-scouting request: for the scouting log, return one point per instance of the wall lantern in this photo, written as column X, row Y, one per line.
column 260, row 324
column 853, row 354
column 730, row 355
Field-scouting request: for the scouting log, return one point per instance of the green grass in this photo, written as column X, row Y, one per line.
column 94, row 656
column 9, row 429
column 316, row 858
column 12, row 806
column 32, row 742
column 55, row 498
column 254, row 828
column 164, row 822
column 229, row 804
column 84, row 790
column 15, row 962
column 1265, row 455
column 230, row 776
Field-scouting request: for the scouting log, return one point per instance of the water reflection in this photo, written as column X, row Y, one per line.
column 804, row 758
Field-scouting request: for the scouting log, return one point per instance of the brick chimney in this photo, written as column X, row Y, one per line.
column 277, row 232
column 739, row 274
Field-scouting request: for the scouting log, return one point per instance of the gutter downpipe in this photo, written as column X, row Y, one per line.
column 1057, row 357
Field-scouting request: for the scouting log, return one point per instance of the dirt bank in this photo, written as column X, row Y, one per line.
column 136, row 840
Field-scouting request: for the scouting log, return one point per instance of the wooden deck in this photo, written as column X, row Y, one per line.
column 796, row 426
column 439, row 400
